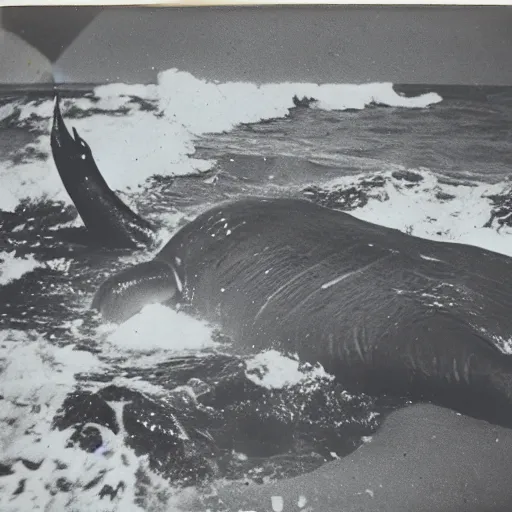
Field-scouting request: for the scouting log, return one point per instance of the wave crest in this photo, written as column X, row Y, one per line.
column 139, row 131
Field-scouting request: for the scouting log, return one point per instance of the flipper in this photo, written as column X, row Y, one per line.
column 108, row 219
column 126, row 293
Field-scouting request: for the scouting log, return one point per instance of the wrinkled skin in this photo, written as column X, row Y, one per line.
column 384, row 311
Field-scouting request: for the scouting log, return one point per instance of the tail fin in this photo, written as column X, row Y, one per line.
column 107, row 218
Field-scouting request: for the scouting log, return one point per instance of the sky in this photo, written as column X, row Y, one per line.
column 321, row 44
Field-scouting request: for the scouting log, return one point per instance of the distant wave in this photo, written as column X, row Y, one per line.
column 137, row 131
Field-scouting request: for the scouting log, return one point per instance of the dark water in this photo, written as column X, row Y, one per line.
column 281, row 432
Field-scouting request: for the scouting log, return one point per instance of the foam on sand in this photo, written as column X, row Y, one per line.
column 159, row 327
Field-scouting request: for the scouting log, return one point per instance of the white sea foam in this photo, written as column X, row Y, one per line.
column 434, row 210
column 35, row 378
column 8, row 110
column 12, row 268
column 273, row 370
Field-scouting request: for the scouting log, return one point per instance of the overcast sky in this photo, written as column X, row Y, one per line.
column 444, row 45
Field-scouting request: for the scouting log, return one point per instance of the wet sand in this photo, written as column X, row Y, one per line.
column 424, row 459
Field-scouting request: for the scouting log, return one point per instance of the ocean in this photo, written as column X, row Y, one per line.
column 130, row 417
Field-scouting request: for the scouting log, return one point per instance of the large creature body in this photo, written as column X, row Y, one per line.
column 384, row 311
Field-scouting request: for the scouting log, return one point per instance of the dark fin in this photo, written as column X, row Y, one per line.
column 109, row 220
column 126, row 293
